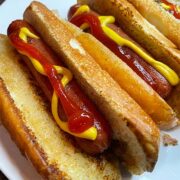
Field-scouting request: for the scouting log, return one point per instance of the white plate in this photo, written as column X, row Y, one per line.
column 16, row 167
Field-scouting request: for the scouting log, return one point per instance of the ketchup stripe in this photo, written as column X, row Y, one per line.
column 78, row 120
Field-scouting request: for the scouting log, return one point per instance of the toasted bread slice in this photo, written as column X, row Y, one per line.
column 131, row 126
column 174, row 100
column 164, row 21
column 24, row 113
column 140, row 29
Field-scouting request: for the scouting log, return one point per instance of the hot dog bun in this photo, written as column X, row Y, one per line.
column 134, row 23
column 25, row 114
column 174, row 100
column 132, row 127
column 140, row 29
column 164, row 21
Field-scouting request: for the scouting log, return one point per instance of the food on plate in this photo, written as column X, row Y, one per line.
column 135, row 135
column 141, row 30
column 72, row 110
column 147, row 80
column 24, row 112
column 163, row 14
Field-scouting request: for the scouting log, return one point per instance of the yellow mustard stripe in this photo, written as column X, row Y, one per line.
column 90, row 133
column 165, row 70
column 24, row 33
column 165, row 6
column 81, row 9
column 84, row 26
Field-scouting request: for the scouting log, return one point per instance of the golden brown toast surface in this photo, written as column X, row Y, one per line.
column 164, row 21
column 25, row 115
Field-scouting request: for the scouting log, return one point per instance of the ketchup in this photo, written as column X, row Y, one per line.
column 173, row 8
column 125, row 53
column 78, row 120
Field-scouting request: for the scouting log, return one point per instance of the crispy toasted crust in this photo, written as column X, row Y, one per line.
column 174, row 100
column 130, row 124
column 24, row 113
column 164, row 21
column 140, row 29
column 148, row 99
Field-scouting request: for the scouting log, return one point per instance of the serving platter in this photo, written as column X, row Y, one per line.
column 16, row 167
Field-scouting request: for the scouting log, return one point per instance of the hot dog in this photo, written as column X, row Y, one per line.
column 72, row 92
column 141, row 67
column 24, row 112
column 163, row 14
column 134, row 132
column 141, row 30
column 116, row 40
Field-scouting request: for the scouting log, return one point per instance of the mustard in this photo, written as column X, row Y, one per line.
column 165, row 6
column 24, row 33
column 165, row 70
column 90, row 133
column 81, row 9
